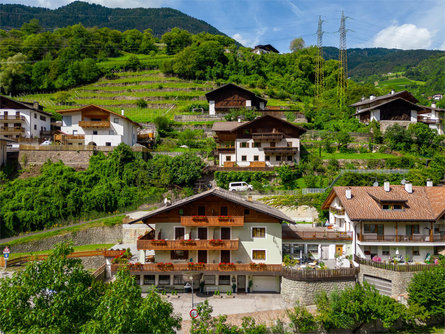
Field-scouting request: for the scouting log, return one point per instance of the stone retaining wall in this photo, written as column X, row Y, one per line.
column 89, row 236
column 69, row 158
column 399, row 280
column 305, row 292
column 92, row 262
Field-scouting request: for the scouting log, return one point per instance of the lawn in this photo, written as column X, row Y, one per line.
column 399, row 83
column 82, row 248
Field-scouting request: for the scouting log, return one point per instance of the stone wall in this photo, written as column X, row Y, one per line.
column 399, row 280
column 92, row 262
column 89, row 236
column 69, row 158
column 386, row 124
column 130, row 233
column 305, row 292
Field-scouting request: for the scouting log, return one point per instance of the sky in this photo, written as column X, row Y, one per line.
column 402, row 24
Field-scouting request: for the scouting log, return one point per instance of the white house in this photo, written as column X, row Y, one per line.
column 434, row 117
column 94, row 125
column 393, row 221
column 265, row 141
column 22, row 119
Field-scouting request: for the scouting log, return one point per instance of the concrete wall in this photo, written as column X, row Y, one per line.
column 305, row 292
column 399, row 280
column 90, row 236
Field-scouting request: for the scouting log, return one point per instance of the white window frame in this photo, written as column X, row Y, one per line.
column 265, row 232
column 265, row 253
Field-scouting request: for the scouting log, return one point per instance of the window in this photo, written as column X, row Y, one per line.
column 267, row 157
column 35, row 126
column 94, row 132
column 373, row 228
column 244, row 158
column 278, row 158
column 244, row 144
column 149, row 279
column 392, row 207
column 256, row 144
column 179, row 254
column 67, row 120
column 289, row 158
column 416, row 251
column 201, row 211
column 209, row 279
column 137, row 278
column 256, row 158
column 224, row 280
column 224, row 211
column 312, row 249
column 116, row 120
column 385, row 250
column 228, row 157
column 178, row 280
column 35, row 116
column 107, row 143
column 397, row 207
column 164, row 279
column 258, row 232
column 42, row 118
column 259, row 254
column 246, row 212
column 289, row 144
column 179, row 233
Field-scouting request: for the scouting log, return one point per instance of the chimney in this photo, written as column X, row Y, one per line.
column 392, row 91
column 433, row 105
column 123, row 112
column 429, row 183
column 386, row 186
column 35, row 105
column 409, row 187
column 348, row 193
column 372, row 97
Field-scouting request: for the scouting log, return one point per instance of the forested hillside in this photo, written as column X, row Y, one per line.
column 160, row 20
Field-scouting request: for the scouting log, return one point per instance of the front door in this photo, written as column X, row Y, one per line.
column 225, row 256
column 202, row 233
column 241, row 283
column 338, row 250
column 202, row 256
column 225, row 233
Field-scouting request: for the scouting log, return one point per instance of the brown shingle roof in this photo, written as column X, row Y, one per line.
column 423, row 204
column 226, row 126
column 405, row 94
column 413, row 105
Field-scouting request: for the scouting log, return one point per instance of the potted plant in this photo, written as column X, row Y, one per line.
column 217, row 294
column 249, row 287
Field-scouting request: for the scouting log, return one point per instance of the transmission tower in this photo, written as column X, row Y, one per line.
column 319, row 60
column 343, row 63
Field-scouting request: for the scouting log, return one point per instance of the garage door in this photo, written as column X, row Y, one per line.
column 384, row 286
column 266, row 284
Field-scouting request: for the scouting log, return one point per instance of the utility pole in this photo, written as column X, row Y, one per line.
column 342, row 63
column 319, row 61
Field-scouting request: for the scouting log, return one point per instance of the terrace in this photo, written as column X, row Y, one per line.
column 212, row 220
column 267, row 137
column 400, row 238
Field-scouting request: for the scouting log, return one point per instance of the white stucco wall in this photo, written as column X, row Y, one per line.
column 33, row 123
column 252, row 151
column 375, row 115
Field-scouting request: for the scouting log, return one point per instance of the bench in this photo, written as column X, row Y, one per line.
column 211, row 289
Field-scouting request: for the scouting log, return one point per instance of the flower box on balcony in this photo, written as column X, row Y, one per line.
column 224, row 218
column 135, row 266
column 195, row 266
column 159, row 242
column 199, row 218
column 165, row 266
column 258, row 266
column 188, row 242
column 216, row 242
column 226, row 266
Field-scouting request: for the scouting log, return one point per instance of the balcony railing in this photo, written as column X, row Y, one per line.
column 339, row 212
column 179, row 267
column 281, row 150
column 226, row 150
column 428, row 120
column 407, row 267
column 12, row 130
column 268, row 137
column 94, row 124
column 320, row 275
column 323, row 235
column 188, row 244
column 14, row 118
column 212, row 220
column 401, row 238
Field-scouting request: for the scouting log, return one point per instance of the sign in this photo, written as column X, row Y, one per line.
column 194, row 313
column 6, row 250
column 6, row 255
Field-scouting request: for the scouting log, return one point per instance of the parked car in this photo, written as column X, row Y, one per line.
column 46, row 143
column 239, row 186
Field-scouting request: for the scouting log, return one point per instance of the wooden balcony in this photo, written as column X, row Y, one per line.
column 11, row 119
column 188, row 244
column 225, row 150
column 207, row 267
column 12, row 130
column 94, row 124
column 267, row 137
column 212, row 221
column 281, row 150
column 400, row 238
column 338, row 212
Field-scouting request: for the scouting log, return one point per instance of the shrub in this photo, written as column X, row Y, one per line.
column 141, row 103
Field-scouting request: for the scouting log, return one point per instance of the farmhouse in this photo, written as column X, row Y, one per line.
column 265, row 141
column 261, row 49
column 19, row 120
column 94, row 125
column 434, row 118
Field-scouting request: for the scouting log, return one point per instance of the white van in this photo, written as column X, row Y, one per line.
column 239, row 186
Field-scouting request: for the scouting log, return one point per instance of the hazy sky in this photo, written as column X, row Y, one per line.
column 404, row 24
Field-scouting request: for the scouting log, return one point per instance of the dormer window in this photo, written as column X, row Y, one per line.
column 390, row 207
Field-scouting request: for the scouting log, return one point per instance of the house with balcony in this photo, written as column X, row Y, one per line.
column 19, row 120
column 266, row 141
column 402, row 222
column 97, row 126
column 434, row 117
column 222, row 239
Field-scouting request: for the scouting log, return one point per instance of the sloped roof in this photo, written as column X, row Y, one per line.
column 413, row 105
column 266, row 47
column 423, row 204
column 25, row 105
column 226, row 195
column 228, row 85
column 7, row 139
column 226, row 126
column 100, row 108
column 404, row 93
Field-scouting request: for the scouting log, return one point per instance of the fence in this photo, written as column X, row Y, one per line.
column 394, row 267
column 320, row 274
